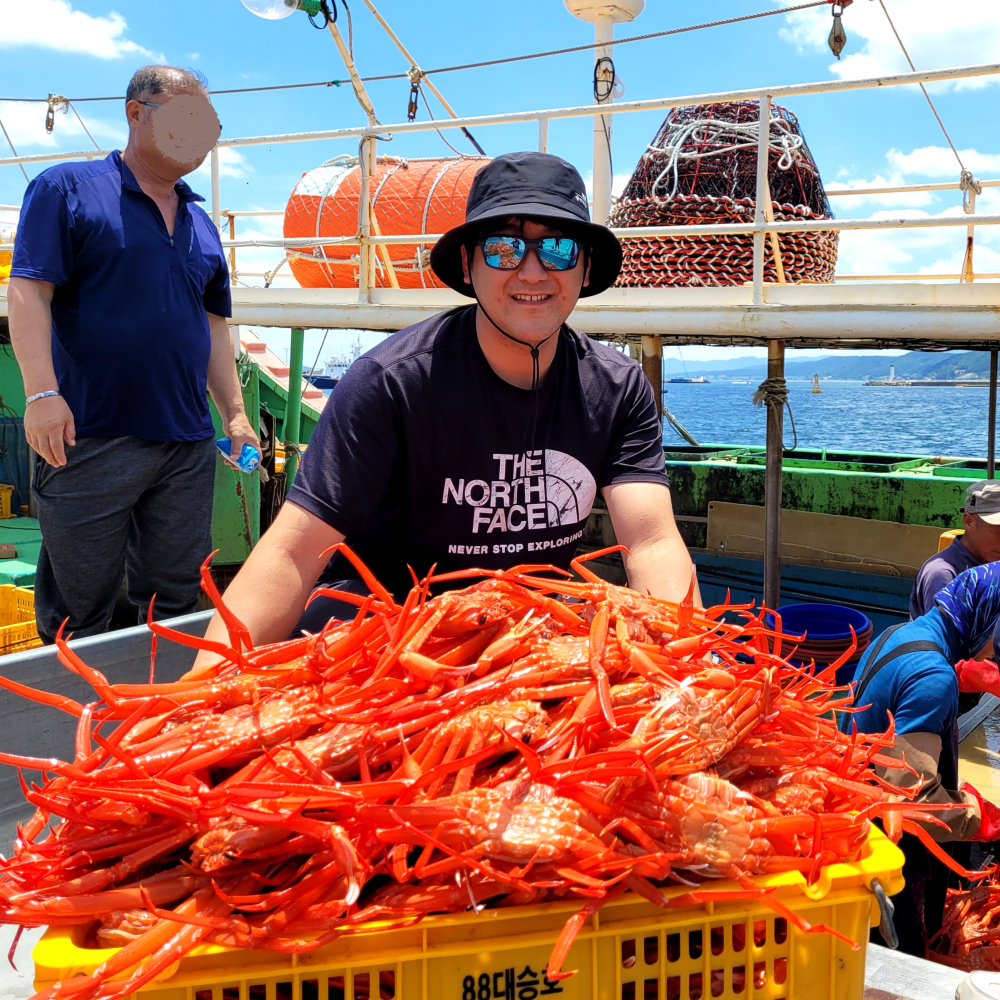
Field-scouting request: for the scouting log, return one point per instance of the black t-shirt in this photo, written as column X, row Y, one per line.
column 423, row 453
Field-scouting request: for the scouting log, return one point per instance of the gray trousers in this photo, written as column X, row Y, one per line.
column 127, row 507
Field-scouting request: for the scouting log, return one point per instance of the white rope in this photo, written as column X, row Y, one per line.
column 725, row 136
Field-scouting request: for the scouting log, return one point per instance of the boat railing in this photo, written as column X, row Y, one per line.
column 760, row 228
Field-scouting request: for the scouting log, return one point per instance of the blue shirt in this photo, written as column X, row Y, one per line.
column 130, row 336
column 936, row 573
column 920, row 689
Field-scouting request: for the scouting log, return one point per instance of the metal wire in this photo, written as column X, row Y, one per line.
column 488, row 62
column 14, row 151
column 82, row 125
column 922, row 87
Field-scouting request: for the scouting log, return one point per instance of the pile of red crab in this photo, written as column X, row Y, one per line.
column 969, row 937
column 529, row 738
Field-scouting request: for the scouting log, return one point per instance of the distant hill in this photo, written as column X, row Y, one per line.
column 915, row 364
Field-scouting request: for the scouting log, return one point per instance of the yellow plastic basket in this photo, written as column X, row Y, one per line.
column 631, row 950
column 5, row 494
column 17, row 619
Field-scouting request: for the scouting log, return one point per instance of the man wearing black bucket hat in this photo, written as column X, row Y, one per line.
column 480, row 437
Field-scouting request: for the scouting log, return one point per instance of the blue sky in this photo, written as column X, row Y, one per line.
column 91, row 47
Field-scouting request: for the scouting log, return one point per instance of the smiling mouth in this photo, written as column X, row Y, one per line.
column 519, row 297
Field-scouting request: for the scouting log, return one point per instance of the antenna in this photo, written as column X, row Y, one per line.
column 604, row 15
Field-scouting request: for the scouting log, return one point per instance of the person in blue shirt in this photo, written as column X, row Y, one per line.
column 980, row 543
column 118, row 299
column 914, row 673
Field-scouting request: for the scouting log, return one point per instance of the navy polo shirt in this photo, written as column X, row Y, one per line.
column 130, row 336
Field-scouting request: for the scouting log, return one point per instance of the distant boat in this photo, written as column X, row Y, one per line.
column 699, row 379
column 336, row 368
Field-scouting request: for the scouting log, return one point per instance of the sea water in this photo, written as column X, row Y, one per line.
column 844, row 415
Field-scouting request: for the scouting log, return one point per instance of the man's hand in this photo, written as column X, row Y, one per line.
column 49, row 427
column 240, row 433
column 48, row 422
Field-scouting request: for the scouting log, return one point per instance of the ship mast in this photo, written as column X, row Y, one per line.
column 604, row 15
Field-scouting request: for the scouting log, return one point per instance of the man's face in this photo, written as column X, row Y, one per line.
column 981, row 539
column 180, row 134
column 530, row 302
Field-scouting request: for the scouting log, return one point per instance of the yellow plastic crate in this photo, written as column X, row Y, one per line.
column 17, row 615
column 5, row 494
column 947, row 537
column 631, row 950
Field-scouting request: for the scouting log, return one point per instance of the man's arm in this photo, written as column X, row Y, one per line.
column 225, row 389
column 270, row 590
column 643, row 519
column 48, row 422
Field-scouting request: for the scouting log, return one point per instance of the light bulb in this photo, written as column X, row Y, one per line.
column 271, row 10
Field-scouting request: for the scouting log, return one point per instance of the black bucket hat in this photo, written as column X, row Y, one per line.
column 534, row 185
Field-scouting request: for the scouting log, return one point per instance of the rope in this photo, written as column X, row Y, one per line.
column 710, row 130
column 490, row 62
column 774, row 392
column 923, row 88
column 680, row 428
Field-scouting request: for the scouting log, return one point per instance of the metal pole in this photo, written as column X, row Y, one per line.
column 543, row 135
column 604, row 33
column 652, row 368
column 293, row 406
column 359, row 88
column 216, row 197
column 760, row 213
column 991, row 443
column 232, row 250
column 772, row 481
column 364, row 220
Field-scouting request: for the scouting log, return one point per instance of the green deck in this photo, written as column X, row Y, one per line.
column 910, row 489
column 26, row 536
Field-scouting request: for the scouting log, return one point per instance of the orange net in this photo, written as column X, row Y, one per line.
column 408, row 196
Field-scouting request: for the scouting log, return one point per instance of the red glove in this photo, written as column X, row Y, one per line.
column 989, row 823
column 975, row 676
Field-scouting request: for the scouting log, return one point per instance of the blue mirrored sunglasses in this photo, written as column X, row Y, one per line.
column 506, row 253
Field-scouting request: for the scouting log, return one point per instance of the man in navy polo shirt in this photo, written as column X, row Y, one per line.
column 118, row 301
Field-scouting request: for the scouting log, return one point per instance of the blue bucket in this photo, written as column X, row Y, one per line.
column 827, row 628
column 822, row 622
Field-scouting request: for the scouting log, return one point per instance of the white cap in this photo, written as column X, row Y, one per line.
column 983, row 500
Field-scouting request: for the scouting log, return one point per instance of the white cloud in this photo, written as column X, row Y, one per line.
column 25, row 124
column 937, row 250
column 925, row 163
column 618, row 182
column 939, row 161
column 260, row 259
column 960, row 34
column 232, row 163
column 846, row 206
column 54, row 24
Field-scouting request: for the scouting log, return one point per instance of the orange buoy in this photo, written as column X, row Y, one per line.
column 408, row 196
